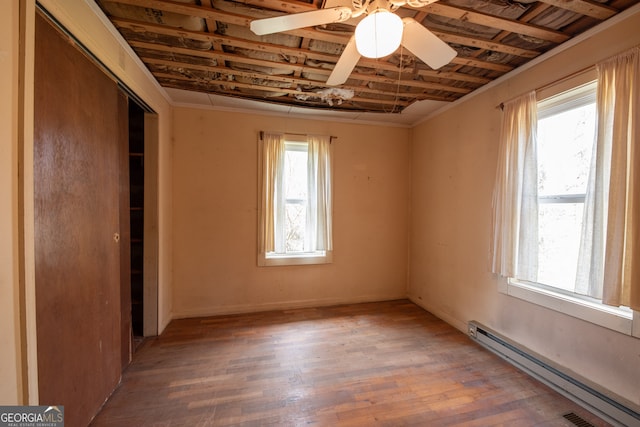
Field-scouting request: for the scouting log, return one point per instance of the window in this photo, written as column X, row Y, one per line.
column 565, row 135
column 565, row 221
column 295, row 204
column 296, row 198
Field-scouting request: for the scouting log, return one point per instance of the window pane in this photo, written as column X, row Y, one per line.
column 559, row 240
column 296, row 218
column 295, row 178
column 295, row 181
column 565, row 141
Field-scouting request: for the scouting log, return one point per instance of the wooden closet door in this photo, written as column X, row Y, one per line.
column 78, row 111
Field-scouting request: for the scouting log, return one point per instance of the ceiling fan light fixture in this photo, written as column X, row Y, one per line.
column 379, row 34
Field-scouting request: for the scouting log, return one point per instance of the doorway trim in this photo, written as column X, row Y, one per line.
column 150, row 243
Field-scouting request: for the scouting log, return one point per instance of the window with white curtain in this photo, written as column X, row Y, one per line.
column 566, row 213
column 295, row 199
column 565, row 136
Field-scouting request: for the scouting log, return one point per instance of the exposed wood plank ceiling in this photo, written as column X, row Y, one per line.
column 206, row 46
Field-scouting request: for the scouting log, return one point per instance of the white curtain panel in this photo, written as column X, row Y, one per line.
column 272, row 196
column 618, row 105
column 515, row 196
column 319, row 194
column 590, row 267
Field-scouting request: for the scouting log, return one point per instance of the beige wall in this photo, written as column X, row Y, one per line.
column 10, row 353
column 454, row 157
column 215, row 216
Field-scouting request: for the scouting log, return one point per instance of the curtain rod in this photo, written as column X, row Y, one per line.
column 331, row 137
column 553, row 83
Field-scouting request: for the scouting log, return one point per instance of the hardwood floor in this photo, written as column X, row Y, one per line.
column 388, row 364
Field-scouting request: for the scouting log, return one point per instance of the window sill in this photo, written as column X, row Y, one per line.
column 617, row 319
column 295, row 259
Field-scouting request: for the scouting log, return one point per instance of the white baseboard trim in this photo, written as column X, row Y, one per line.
column 280, row 305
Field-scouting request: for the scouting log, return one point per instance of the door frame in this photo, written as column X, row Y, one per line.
column 150, row 242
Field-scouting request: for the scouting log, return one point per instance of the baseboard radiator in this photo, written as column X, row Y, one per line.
column 588, row 397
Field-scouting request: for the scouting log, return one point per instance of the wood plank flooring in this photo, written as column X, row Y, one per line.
column 386, row 364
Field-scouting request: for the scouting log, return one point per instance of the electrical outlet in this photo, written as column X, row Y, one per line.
column 472, row 330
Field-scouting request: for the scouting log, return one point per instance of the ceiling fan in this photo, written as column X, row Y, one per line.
column 377, row 35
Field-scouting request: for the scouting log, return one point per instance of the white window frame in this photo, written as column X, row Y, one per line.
column 266, row 259
column 619, row 319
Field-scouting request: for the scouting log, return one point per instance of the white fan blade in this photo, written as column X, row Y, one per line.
column 426, row 45
column 345, row 64
column 299, row 20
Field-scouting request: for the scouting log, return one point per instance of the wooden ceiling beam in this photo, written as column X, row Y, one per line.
column 205, row 12
column 226, row 17
column 293, row 81
column 294, row 68
column 299, row 68
column 209, row 12
column 256, row 45
column 513, row 26
column 537, row 9
column 224, row 56
column 288, row 6
column 584, row 7
column 486, row 44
